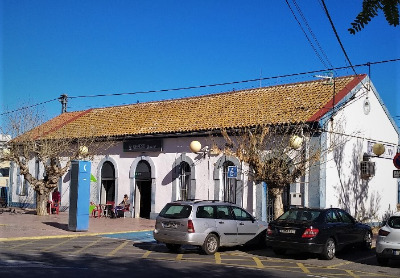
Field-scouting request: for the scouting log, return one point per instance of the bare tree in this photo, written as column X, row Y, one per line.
column 32, row 141
column 275, row 154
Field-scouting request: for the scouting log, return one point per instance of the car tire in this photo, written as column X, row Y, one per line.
column 329, row 249
column 367, row 241
column 382, row 261
column 211, row 244
column 279, row 251
column 173, row 247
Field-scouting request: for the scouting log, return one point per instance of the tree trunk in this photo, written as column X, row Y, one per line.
column 278, row 204
column 41, row 203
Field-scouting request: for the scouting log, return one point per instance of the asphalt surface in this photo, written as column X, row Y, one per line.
column 18, row 223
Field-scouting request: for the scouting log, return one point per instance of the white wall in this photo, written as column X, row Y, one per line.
column 373, row 127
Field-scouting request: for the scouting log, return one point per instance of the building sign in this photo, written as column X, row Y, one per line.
column 396, row 174
column 232, row 171
column 390, row 150
column 143, row 145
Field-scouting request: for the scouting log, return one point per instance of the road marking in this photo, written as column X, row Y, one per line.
column 87, row 246
column 179, row 257
column 350, row 272
column 145, row 255
column 22, row 244
column 67, row 236
column 217, row 256
column 56, row 245
column 122, row 245
column 303, row 268
column 258, row 262
column 337, row 265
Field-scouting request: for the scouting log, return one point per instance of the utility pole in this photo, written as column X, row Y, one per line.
column 64, row 100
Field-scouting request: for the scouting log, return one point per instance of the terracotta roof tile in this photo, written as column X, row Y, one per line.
column 288, row 103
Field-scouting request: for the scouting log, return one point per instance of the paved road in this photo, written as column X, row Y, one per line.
column 137, row 252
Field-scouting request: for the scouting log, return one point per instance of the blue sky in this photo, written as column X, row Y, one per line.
column 92, row 47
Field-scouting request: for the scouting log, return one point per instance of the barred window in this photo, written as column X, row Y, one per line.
column 229, row 193
column 184, row 181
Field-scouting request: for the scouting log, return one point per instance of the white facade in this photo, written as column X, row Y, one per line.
column 347, row 133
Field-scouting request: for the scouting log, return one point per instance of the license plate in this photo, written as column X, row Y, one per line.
column 172, row 225
column 396, row 252
column 287, row 231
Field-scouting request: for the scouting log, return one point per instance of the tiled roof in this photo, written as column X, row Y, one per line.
column 289, row 103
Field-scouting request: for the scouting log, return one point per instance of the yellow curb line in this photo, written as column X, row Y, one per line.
column 67, row 236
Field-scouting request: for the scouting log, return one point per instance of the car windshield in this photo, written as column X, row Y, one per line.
column 176, row 211
column 299, row 215
column 394, row 222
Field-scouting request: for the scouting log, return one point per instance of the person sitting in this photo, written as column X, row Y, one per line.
column 123, row 206
column 56, row 201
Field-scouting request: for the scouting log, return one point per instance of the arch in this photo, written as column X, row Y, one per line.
column 98, row 184
column 175, row 176
column 219, row 165
column 134, row 190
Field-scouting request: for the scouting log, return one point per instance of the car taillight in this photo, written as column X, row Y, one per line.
column 190, row 226
column 310, row 232
column 269, row 230
column 383, row 233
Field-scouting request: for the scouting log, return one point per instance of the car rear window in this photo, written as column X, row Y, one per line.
column 300, row 215
column 176, row 211
column 394, row 222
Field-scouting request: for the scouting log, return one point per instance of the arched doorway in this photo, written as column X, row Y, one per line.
column 143, row 189
column 107, row 193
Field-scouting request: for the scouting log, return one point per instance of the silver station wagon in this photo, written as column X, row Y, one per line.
column 208, row 224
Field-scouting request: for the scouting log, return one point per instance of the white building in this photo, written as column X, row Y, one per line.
column 151, row 160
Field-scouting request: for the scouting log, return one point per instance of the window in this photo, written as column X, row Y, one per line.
column 229, row 194
column 205, row 212
column 176, row 211
column 223, row 212
column 345, row 217
column 184, row 181
column 22, row 184
column 331, row 217
column 241, row 214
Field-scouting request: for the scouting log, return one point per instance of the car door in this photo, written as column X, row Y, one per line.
column 353, row 234
column 226, row 225
column 247, row 227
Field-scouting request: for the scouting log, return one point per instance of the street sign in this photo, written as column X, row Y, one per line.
column 396, row 161
column 396, row 174
column 232, row 171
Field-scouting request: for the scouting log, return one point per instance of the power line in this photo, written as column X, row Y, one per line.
column 210, row 85
column 337, row 36
column 311, row 32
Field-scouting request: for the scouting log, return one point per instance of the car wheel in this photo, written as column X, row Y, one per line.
column 382, row 261
column 173, row 247
column 211, row 244
column 367, row 242
column 279, row 251
column 329, row 249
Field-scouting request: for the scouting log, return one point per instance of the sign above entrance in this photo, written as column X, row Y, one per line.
column 143, row 145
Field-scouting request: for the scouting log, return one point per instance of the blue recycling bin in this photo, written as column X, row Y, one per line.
column 79, row 196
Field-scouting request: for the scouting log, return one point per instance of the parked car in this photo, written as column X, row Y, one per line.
column 320, row 231
column 388, row 240
column 208, row 224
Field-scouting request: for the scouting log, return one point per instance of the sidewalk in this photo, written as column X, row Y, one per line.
column 19, row 223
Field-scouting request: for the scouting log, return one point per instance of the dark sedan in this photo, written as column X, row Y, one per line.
column 320, row 231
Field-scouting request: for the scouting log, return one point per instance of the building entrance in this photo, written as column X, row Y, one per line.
column 143, row 190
